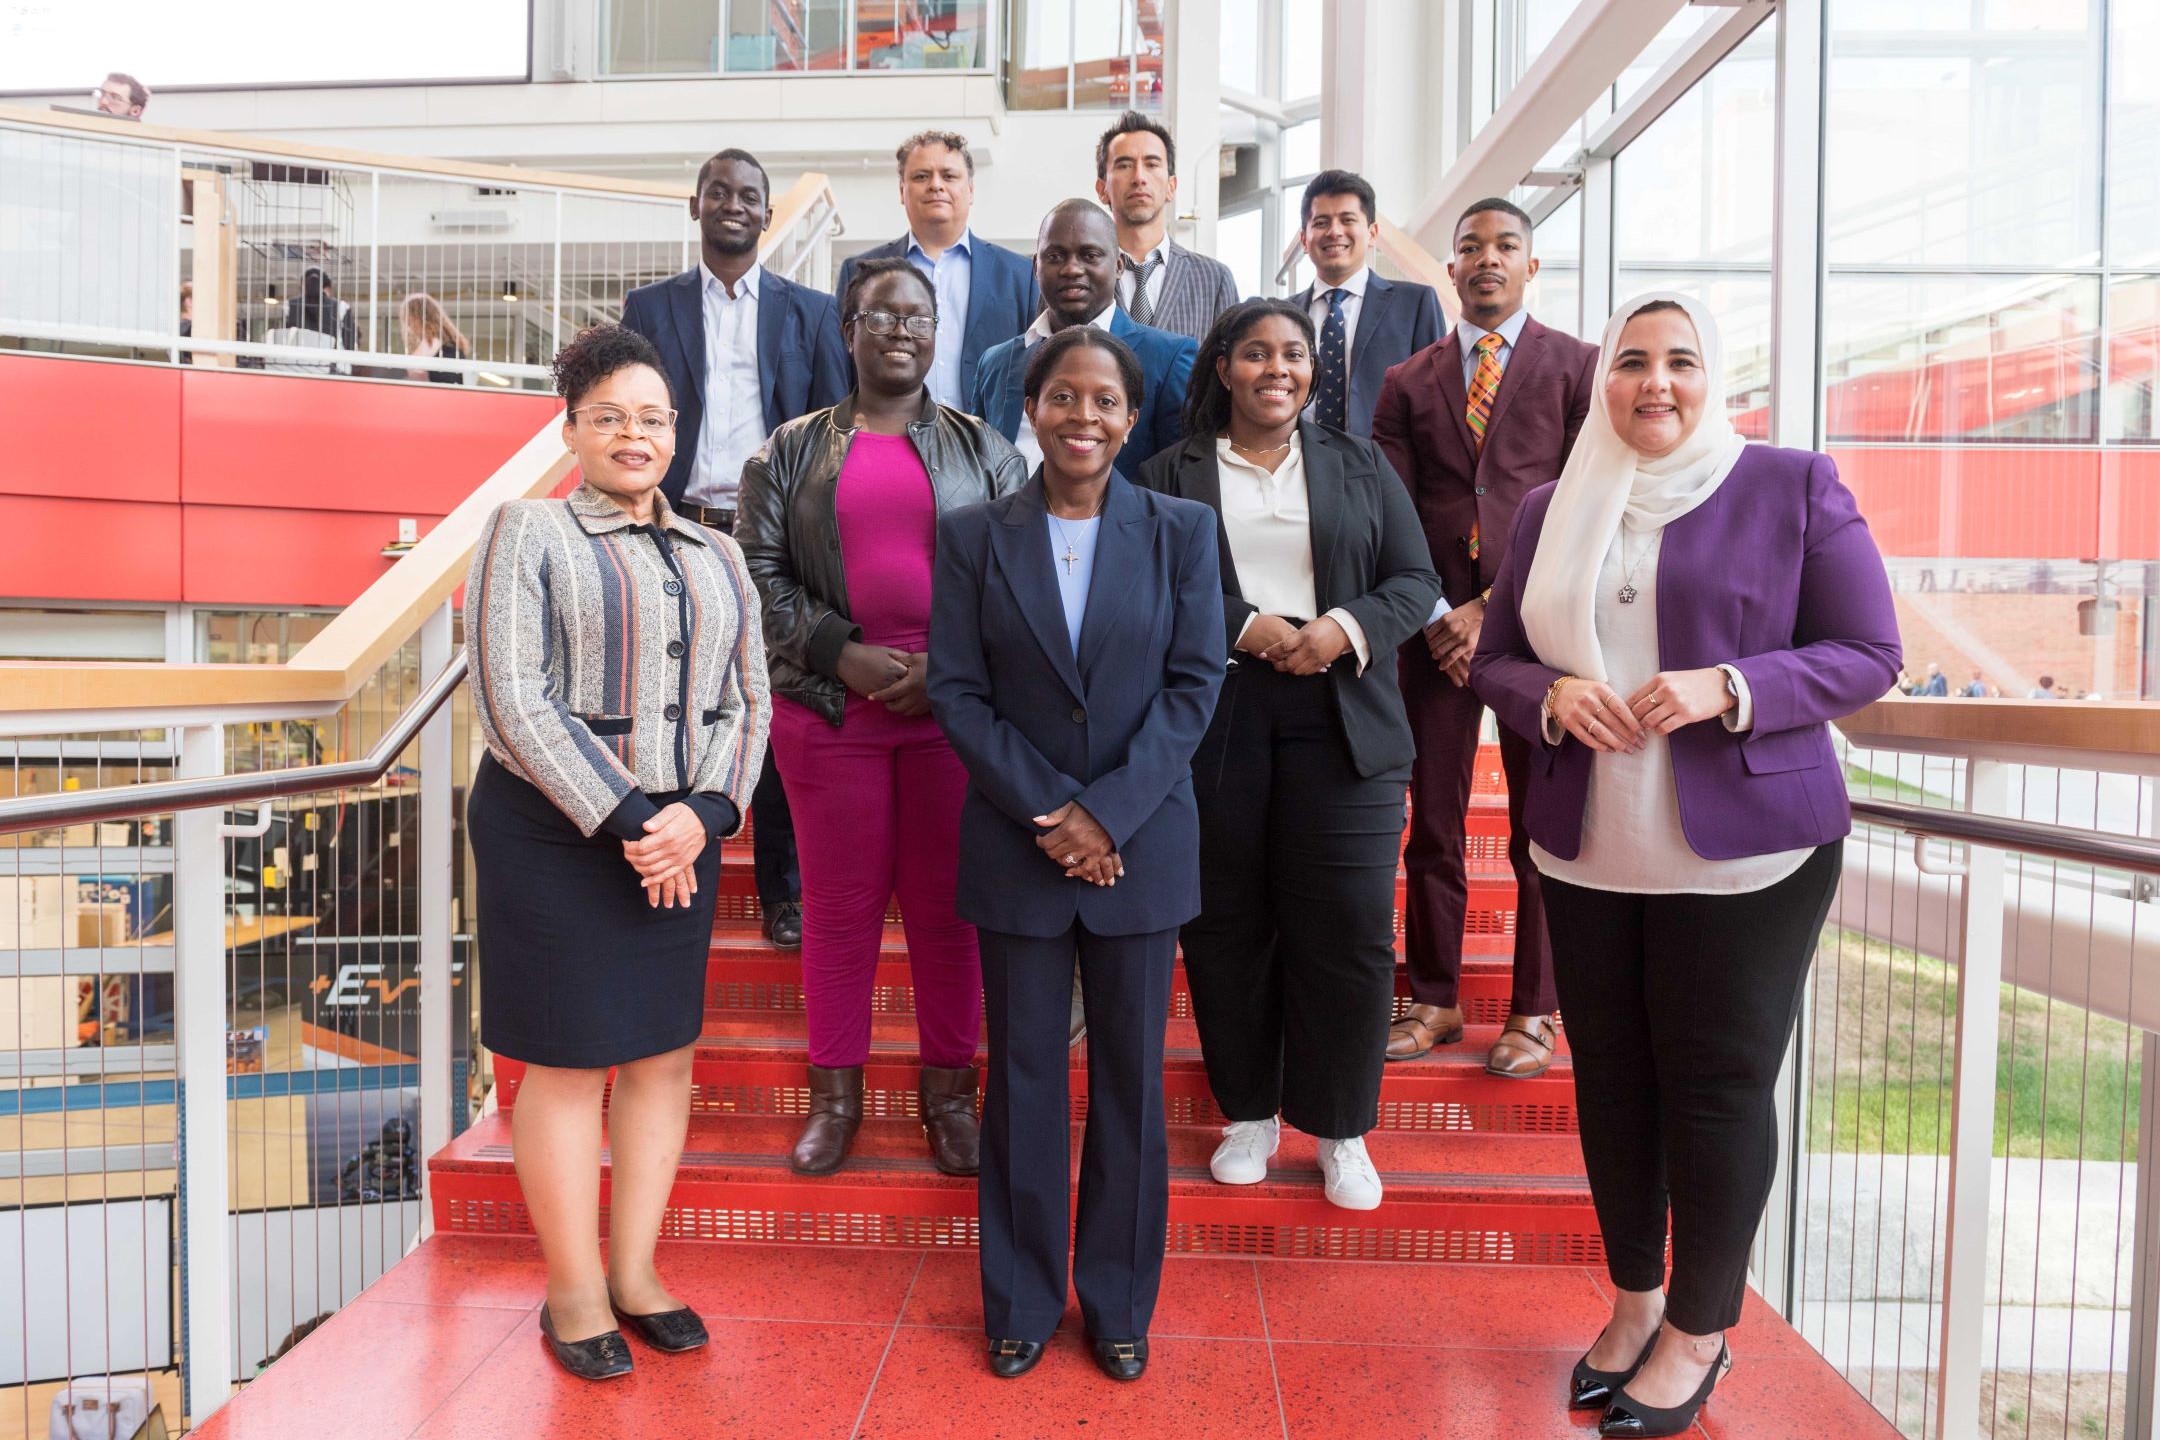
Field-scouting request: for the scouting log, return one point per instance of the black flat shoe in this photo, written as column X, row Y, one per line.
column 603, row 1357
column 1630, row 1417
column 673, row 1331
column 1121, row 1359
column 1593, row 1389
column 1010, row 1359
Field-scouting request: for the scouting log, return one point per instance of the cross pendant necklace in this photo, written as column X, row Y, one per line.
column 1070, row 558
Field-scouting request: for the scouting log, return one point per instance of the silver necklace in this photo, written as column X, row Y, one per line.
column 1628, row 592
column 1072, row 558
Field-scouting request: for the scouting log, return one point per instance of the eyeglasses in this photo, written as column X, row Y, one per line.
column 607, row 420
column 879, row 322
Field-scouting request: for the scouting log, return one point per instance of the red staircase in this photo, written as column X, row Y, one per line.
column 848, row 1302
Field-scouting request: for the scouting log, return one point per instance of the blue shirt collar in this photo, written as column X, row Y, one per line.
column 1467, row 334
column 965, row 245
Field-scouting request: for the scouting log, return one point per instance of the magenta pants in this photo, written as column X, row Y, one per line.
column 877, row 813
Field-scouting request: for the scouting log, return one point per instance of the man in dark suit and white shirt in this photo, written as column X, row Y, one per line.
column 1160, row 282
column 746, row 351
column 1367, row 324
column 1472, row 424
column 985, row 293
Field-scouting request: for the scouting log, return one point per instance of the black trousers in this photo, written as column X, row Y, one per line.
column 1117, row 1247
column 1678, row 1011
column 1292, row 959
column 772, row 835
column 1447, row 718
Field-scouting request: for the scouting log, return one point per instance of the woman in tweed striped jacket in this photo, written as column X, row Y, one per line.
column 618, row 673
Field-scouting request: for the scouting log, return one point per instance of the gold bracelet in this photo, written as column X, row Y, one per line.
column 1552, row 693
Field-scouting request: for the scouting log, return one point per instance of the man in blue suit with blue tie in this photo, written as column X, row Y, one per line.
column 985, row 293
column 746, row 351
column 1076, row 269
column 1366, row 323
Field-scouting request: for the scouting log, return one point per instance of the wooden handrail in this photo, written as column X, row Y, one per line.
column 506, row 175
column 333, row 666
column 2129, row 727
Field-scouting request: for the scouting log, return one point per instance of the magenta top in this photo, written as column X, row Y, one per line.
column 888, row 535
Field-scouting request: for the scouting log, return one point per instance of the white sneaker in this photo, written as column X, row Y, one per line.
column 1352, row 1182
column 1242, row 1157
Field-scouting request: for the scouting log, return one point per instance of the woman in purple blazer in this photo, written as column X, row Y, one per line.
column 1677, row 621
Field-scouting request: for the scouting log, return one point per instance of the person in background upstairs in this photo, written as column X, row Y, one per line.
column 746, row 351
column 428, row 331
column 1367, row 325
column 613, row 771
column 839, row 524
column 1076, row 708
column 1160, row 282
column 122, row 95
column 1472, row 424
column 1678, row 620
column 985, row 292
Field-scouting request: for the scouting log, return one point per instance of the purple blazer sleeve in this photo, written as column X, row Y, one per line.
column 1845, row 651
column 1505, row 671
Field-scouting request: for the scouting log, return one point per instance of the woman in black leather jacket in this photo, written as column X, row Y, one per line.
column 838, row 521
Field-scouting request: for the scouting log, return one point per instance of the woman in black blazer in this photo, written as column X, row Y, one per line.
column 1302, row 775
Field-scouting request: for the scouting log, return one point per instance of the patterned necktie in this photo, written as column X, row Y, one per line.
column 1331, row 393
column 1484, row 385
column 1140, row 307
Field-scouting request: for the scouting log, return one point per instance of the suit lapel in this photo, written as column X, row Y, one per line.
column 772, row 318
column 1454, row 395
column 1177, row 267
column 1374, row 313
column 1122, row 542
column 1020, row 540
column 1324, row 505
column 1527, row 353
column 686, row 309
column 979, row 301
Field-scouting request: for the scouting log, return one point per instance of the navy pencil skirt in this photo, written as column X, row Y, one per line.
column 576, row 969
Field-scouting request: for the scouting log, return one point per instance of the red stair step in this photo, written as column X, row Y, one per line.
column 1455, row 1197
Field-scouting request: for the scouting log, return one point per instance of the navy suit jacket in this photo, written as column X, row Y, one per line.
column 1114, row 727
column 801, row 364
column 1166, row 362
column 1001, row 297
column 1396, row 319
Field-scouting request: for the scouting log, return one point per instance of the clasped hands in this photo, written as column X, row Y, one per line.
column 1452, row 639
column 1077, row 842
column 1594, row 713
column 1295, row 649
column 895, row 679
column 666, row 859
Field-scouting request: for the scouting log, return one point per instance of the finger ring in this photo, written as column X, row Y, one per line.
column 1072, row 859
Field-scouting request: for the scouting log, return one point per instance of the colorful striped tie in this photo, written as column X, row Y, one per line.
column 1484, row 385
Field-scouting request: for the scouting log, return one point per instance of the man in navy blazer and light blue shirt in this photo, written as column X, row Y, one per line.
column 1373, row 324
column 1076, row 269
column 985, row 293
column 745, row 351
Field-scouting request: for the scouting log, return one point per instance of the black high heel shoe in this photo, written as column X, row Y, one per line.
column 603, row 1357
column 1630, row 1417
column 1592, row 1389
column 1010, row 1359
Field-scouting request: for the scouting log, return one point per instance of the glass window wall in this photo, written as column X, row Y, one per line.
column 757, row 37
column 1098, row 55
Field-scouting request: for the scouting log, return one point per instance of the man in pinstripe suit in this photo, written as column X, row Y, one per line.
column 1160, row 282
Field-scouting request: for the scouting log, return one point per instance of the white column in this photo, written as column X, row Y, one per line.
column 1796, row 246
column 1972, row 1116
column 206, row 1271
column 437, row 796
column 1193, row 102
column 1597, row 245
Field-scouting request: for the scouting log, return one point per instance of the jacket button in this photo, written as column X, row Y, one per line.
column 673, row 712
column 672, row 587
column 1480, row 489
column 1079, row 716
column 675, row 649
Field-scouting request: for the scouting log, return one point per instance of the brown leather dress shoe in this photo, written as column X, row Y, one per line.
column 947, row 1098
column 1524, row 1049
column 1423, row 1027
column 836, row 1109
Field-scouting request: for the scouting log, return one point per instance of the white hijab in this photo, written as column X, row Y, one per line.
column 1606, row 485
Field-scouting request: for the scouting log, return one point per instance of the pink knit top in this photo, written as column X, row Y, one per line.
column 888, row 535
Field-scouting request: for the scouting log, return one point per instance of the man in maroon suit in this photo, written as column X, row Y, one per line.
column 1473, row 423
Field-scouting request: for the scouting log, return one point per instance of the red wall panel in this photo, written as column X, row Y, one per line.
column 249, row 555
column 92, row 428
column 299, row 442
column 72, row 549
column 2007, row 502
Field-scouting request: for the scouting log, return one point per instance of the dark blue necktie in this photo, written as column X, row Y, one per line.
column 1331, row 395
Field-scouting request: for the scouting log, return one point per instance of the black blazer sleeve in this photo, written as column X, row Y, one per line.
column 1164, row 473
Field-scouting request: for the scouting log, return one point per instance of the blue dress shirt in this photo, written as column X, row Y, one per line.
column 1073, row 578
column 1467, row 335
column 951, row 276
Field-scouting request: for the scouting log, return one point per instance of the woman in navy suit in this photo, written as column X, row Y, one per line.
column 1076, row 709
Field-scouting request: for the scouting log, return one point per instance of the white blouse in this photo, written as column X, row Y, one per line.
column 1267, row 518
column 1631, row 836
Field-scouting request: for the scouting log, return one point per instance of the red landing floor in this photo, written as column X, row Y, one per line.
column 886, row 1343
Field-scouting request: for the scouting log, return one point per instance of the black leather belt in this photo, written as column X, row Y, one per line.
column 711, row 517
